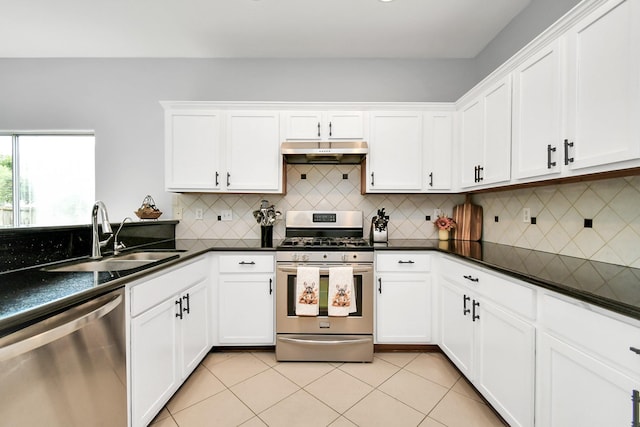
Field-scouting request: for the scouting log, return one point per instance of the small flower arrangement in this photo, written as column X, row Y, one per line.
column 443, row 222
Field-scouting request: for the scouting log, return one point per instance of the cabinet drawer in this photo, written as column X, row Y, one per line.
column 152, row 292
column 403, row 261
column 600, row 335
column 508, row 293
column 246, row 263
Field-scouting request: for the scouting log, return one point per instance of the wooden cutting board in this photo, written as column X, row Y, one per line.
column 468, row 218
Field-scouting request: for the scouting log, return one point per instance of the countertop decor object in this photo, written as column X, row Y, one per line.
column 444, row 224
column 148, row 209
column 468, row 218
column 266, row 216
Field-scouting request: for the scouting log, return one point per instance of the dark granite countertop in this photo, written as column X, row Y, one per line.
column 611, row 286
column 31, row 294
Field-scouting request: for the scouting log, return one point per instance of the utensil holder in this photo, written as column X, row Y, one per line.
column 266, row 236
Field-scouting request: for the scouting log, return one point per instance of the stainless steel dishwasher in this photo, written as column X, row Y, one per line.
column 67, row 370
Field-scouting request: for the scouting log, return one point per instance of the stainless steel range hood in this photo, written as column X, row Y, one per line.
column 324, row 152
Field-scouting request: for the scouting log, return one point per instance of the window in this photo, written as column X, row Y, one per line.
column 46, row 179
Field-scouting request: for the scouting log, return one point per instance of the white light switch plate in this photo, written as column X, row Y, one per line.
column 199, row 213
column 526, row 215
column 226, row 215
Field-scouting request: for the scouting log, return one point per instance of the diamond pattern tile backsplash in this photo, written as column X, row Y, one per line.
column 560, row 211
column 323, row 188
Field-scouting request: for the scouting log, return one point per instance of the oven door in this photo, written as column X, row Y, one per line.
column 360, row 322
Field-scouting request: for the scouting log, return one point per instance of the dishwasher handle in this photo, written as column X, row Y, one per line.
column 58, row 326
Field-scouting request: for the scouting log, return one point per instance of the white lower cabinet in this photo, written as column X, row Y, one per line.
column 403, row 298
column 485, row 329
column 246, row 286
column 587, row 370
column 169, row 336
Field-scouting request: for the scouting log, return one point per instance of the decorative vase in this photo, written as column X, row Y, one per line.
column 266, row 236
column 443, row 234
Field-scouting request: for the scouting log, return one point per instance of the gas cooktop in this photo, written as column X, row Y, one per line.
column 324, row 242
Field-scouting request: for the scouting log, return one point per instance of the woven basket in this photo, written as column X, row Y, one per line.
column 148, row 209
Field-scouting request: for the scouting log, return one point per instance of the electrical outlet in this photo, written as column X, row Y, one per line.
column 178, row 213
column 526, row 215
column 226, row 215
column 199, row 213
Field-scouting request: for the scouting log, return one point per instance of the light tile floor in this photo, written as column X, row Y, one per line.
column 397, row 389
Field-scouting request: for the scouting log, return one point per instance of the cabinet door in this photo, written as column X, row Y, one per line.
column 506, row 362
column 403, row 309
column 345, row 125
column 303, row 125
column 253, row 152
column 604, row 90
column 575, row 389
column 471, row 141
column 438, row 144
column 194, row 327
column 192, row 150
column 537, row 112
column 497, row 133
column 456, row 327
column 394, row 162
column 245, row 309
column 154, row 376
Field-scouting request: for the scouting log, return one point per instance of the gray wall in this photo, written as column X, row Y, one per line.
column 118, row 98
column 533, row 20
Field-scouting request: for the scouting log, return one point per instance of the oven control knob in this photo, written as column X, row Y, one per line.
column 294, row 257
column 305, row 257
column 345, row 257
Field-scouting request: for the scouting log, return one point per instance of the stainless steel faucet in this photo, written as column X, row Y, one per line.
column 96, row 244
column 118, row 246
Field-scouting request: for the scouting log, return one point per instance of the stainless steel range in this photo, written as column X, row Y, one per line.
column 325, row 240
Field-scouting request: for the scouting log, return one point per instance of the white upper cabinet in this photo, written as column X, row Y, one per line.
column 253, row 156
column 537, row 113
column 324, row 125
column 394, row 162
column 485, row 136
column 438, row 147
column 193, row 150
column 209, row 150
column 603, row 86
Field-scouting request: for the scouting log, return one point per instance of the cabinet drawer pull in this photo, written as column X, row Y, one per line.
column 247, row 263
column 480, row 170
column 228, row 179
column 179, row 304
column 270, row 286
column 379, row 285
column 217, row 178
column 330, row 129
column 635, row 350
column 430, row 179
column 470, row 277
column 475, row 316
column 465, row 310
column 406, row 262
column 372, row 181
column 318, row 129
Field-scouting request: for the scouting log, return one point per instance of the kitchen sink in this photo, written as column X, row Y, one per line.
column 127, row 261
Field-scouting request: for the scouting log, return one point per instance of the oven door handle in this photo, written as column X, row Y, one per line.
column 324, row 342
column 326, row 270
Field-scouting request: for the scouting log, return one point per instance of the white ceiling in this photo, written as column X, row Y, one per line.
column 252, row 28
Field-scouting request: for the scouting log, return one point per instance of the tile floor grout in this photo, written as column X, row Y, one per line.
column 357, row 410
